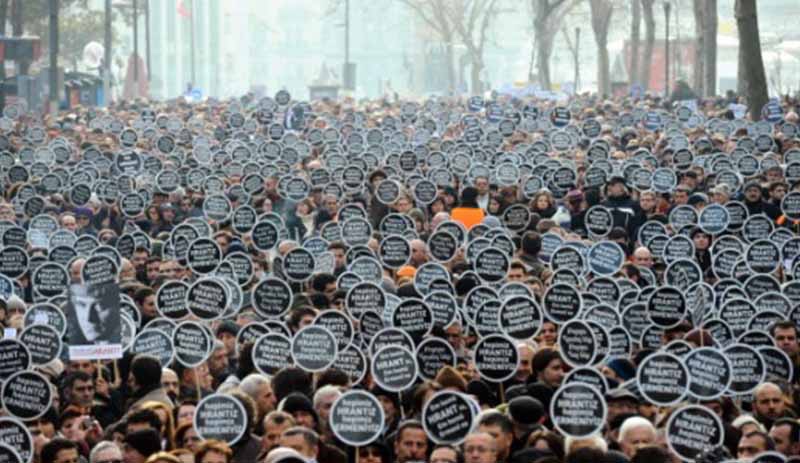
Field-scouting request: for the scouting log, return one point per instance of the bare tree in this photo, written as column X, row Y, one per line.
column 649, row 42
column 3, row 18
column 548, row 16
column 573, row 50
column 471, row 20
column 636, row 23
column 433, row 14
column 465, row 21
column 710, row 24
column 699, row 48
column 752, row 81
column 705, row 52
column 601, row 18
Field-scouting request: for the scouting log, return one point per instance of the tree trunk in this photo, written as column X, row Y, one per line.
column 603, row 72
column 752, row 82
column 699, row 48
column 476, row 87
column 533, row 60
column 451, row 71
column 576, row 62
column 601, row 18
column 710, row 22
column 649, row 42
column 636, row 23
column 3, row 18
column 544, row 48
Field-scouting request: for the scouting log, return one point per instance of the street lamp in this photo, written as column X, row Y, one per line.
column 667, row 7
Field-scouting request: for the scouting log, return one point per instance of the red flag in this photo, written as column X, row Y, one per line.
column 182, row 11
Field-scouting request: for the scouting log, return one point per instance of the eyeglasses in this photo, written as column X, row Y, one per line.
column 478, row 449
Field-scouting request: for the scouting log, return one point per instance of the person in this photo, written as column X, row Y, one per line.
column 652, row 454
column 105, row 452
column 624, row 211
column 60, row 450
column 170, row 383
column 768, row 403
column 548, row 368
column 531, row 247
column 500, row 427
column 445, row 454
column 643, row 257
column 468, row 213
column 145, row 382
column 323, row 402
column 543, row 204
column 163, row 457
column 785, row 432
column 375, row 452
column 784, row 333
column 186, row 437
column 634, row 434
column 752, row 444
column 755, row 203
column 274, row 424
column 302, row 439
column 524, row 370
column 547, row 441
column 481, row 184
column 620, row 402
column 480, row 447
column 139, row 445
column 284, row 455
column 259, row 388
column 213, row 451
column 410, row 442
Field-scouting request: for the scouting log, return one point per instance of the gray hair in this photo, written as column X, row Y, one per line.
column 252, row 383
column 102, row 446
column 326, row 391
column 594, row 441
column 635, row 422
column 742, row 420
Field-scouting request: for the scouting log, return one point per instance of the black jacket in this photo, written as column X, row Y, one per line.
column 626, row 213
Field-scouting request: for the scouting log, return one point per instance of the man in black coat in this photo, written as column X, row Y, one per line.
column 626, row 212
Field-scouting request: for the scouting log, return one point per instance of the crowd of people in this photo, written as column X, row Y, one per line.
column 532, row 178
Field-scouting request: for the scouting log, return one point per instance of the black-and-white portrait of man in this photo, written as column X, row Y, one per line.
column 93, row 314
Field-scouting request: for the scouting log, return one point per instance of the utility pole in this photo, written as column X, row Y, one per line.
column 107, row 56
column 666, row 48
column 135, row 48
column 53, row 7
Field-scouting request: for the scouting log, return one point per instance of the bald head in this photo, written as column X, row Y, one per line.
column 768, row 403
column 439, row 218
column 643, row 257
column 419, row 252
